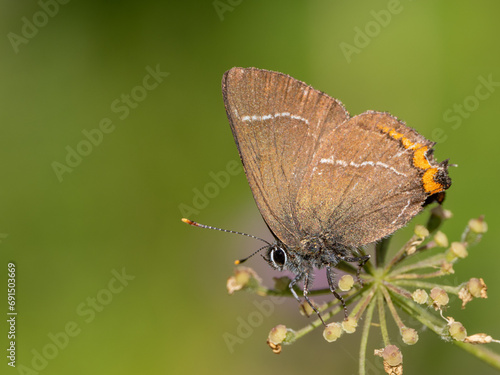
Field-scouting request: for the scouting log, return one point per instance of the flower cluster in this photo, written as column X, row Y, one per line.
column 414, row 282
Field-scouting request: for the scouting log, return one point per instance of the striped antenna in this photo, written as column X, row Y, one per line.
column 195, row 224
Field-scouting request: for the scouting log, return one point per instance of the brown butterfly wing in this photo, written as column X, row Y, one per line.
column 278, row 124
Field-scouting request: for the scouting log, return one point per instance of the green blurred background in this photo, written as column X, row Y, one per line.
column 118, row 209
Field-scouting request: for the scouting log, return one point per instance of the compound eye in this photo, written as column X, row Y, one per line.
column 278, row 257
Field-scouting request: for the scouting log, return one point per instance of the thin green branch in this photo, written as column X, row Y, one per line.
column 364, row 339
column 264, row 291
column 403, row 252
column 382, row 320
column 392, row 309
column 358, row 310
column 402, row 292
column 431, row 262
column 416, row 276
column 481, row 352
column 426, row 285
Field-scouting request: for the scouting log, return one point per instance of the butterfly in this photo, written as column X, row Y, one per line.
column 325, row 183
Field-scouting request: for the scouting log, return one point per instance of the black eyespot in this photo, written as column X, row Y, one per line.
column 278, row 256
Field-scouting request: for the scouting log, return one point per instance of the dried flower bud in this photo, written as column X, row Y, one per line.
column 478, row 226
column 393, row 370
column 479, row 338
column 465, row 296
column 420, row 296
column 232, row 286
column 440, row 239
column 305, row 308
column 474, row 231
column 346, row 282
column 477, row 288
column 447, row 268
column 277, row 334
column 243, row 276
column 446, row 214
column 391, row 354
column 439, row 297
column 457, row 331
column 332, row 332
column 409, row 335
column 458, row 250
column 276, row 348
column 474, row 288
column 440, row 212
column 412, row 248
column 349, row 325
column 421, row 231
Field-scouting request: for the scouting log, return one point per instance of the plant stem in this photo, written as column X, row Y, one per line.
column 382, row 320
column 364, row 339
column 392, row 309
column 434, row 261
column 484, row 354
column 426, row 285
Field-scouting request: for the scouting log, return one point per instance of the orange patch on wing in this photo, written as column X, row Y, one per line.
column 419, row 159
column 430, row 185
column 394, row 134
column 385, row 129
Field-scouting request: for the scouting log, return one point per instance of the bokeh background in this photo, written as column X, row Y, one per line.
column 118, row 209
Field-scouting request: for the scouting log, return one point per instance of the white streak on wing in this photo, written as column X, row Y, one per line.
column 343, row 163
column 379, row 163
column 402, row 152
column 274, row 115
column 401, row 213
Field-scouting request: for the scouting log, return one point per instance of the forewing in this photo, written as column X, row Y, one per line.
column 278, row 123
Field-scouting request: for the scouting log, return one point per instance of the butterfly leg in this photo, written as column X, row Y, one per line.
column 361, row 262
column 331, row 283
column 292, row 284
column 306, row 291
